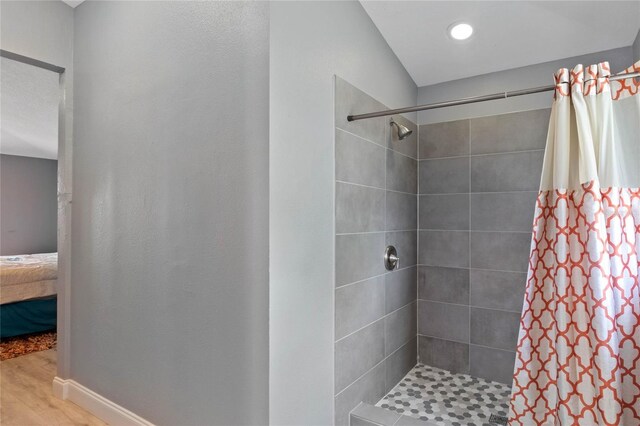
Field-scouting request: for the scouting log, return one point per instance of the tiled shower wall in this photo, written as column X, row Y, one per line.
column 375, row 205
column 478, row 181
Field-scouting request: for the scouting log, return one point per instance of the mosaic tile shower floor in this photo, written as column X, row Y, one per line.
column 436, row 395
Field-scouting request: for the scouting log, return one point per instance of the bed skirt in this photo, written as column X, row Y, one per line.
column 29, row 316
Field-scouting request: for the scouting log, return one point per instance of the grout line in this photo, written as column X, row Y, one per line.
column 375, row 276
column 469, row 252
column 359, row 377
column 417, row 316
column 362, row 233
column 417, row 245
column 377, row 144
column 403, row 377
column 472, row 268
column 470, row 306
column 477, row 193
column 402, row 154
column 368, row 421
column 373, row 322
column 474, row 230
column 334, row 220
column 480, row 192
column 495, row 349
column 361, row 137
column 448, row 340
column 362, row 185
column 369, row 370
column 482, row 155
column 375, row 187
column 470, row 344
column 375, row 232
column 363, row 280
column 384, row 290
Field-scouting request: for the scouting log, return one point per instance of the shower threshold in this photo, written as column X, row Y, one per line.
column 444, row 398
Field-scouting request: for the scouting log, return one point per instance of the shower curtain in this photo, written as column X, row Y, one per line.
column 578, row 353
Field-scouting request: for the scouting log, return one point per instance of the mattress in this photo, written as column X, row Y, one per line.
column 27, row 276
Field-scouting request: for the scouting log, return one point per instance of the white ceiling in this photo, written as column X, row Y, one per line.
column 507, row 34
column 29, row 98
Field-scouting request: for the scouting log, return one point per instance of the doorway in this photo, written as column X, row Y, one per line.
column 35, row 183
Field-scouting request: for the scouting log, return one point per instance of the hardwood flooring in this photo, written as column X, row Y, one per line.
column 26, row 396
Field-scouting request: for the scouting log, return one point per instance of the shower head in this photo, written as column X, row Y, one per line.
column 403, row 131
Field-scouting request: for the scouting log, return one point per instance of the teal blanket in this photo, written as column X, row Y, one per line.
column 30, row 316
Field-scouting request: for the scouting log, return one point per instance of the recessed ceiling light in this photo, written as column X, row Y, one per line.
column 460, row 31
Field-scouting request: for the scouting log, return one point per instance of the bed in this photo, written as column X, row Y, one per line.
column 28, row 293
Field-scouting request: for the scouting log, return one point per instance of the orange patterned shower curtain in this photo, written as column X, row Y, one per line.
column 578, row 355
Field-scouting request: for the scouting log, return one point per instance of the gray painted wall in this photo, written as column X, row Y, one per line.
column 28, row 205
column 170, row 229
column 478, row 185
column 376, row 204
column 636, row 48
column 310, row 43
column 513, row 79
column 43, row 30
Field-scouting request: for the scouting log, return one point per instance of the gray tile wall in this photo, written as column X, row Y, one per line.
column 376, row 205
column 478, row 181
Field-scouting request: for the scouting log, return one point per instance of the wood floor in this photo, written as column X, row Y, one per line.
column 26, row 396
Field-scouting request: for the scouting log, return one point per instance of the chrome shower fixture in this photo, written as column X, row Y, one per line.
column 403, row 131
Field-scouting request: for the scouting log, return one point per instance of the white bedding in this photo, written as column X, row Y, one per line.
column 27, row 276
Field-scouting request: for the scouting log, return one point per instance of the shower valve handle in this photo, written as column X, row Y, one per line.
column 391, row 259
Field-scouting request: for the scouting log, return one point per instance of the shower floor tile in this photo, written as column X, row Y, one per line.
column 436, row 395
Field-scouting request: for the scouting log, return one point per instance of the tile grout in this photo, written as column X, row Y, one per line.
column 490, row 347
column 417, row 244
column 477, row 193
column 469, row 251
column 377, row 144
column 466, row 343
column 470, row 306
column 375, row 232
column 375, row 276
column 373, row 322
column 524, row 151
column 384, row 284
column 472, row 231
column 375, row 187
column 520, row 191
column 470, row 268
column 372, row 368
column 441, row 338
column 335, row 395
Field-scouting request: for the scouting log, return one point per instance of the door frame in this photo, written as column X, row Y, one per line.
column 64, row 214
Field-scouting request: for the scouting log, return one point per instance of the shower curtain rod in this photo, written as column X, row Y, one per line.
column 473, row 99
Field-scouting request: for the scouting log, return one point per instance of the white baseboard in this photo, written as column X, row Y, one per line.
column 96, row 404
